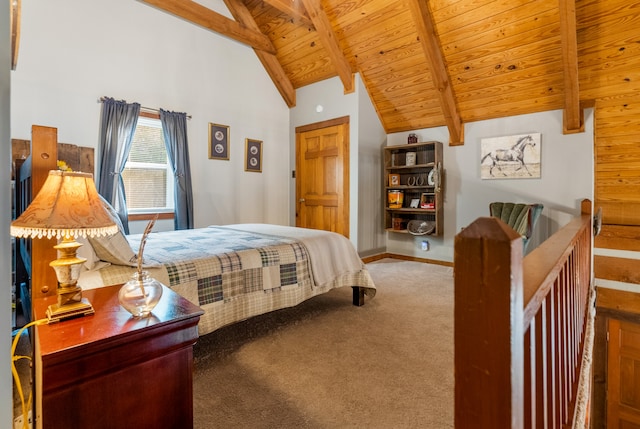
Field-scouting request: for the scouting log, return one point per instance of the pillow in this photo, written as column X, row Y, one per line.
column 114, row 248
column 86, row 251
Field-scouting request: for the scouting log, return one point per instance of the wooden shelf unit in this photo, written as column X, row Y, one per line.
column 414, row 182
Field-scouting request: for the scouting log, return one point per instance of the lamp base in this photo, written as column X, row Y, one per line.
column 57, row 312
column 67, row 267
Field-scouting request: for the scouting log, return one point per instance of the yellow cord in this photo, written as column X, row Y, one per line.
column 14, row 371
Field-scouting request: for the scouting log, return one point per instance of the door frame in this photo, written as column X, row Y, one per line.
column 342, row 120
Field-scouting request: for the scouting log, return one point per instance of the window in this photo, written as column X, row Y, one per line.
column 147, row 175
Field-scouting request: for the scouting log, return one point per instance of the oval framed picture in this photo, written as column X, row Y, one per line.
column 431, row 179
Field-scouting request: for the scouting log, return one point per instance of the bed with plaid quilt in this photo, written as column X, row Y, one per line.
column 238, row 271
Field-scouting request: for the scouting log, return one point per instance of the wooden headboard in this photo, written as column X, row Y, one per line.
column 30, row 174
column 79, row 158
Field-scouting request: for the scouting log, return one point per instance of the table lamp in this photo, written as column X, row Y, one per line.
column 66, row 207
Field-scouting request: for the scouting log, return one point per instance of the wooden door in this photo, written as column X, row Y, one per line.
column 322, row 176
column 623, row 375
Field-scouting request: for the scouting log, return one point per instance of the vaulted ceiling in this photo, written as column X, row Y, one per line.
column 428, row 63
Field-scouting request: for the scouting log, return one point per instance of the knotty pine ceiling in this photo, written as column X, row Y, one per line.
column 428, row 63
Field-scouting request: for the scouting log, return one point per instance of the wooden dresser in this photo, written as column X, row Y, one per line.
column 110, row 370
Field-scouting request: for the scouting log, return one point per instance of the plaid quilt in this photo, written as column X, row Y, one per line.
column 232, row 274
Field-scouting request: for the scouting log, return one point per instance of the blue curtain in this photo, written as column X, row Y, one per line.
column 117, row 126
column 174, row 129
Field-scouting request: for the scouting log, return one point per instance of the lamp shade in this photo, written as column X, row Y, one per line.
column 67, row 205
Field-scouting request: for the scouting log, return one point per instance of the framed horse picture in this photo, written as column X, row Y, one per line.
column 510, row 157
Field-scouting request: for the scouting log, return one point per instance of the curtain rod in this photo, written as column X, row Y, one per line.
column 101, row 99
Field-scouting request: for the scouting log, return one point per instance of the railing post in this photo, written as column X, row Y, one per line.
column 488, row 327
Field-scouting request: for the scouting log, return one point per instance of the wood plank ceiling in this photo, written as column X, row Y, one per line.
column 424, row 63
column 428, row 63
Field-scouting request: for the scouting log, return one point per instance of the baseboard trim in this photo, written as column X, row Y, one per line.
column 379, row 256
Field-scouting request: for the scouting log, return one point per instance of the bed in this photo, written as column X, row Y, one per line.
column 232, row 272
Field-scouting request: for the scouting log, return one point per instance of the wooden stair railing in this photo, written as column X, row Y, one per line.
column 520, row 324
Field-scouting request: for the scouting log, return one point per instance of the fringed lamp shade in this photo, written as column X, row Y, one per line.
column 67, row 206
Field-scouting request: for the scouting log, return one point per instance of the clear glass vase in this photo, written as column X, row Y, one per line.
column 140, row 294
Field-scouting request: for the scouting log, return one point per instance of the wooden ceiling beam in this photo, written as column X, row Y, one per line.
column 330, row 43
column 287, row 7
column 211, row 20
column 270, row 62
column 431, row 45
column 573, row 115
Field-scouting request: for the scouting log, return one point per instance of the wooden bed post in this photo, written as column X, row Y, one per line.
column 488, row 350
column 44, row 142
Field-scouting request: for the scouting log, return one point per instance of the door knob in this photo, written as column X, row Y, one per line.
column 301, row 200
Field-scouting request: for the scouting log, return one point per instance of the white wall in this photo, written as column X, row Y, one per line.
column 73, row 52
column 6, row 397
column 566, row 178
column 467, row 197
column 372, row 138
column 366, row 138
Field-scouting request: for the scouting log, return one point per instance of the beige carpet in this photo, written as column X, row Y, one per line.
column 328, row 364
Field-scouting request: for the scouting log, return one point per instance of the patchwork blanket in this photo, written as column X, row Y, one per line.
column 238, row 271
